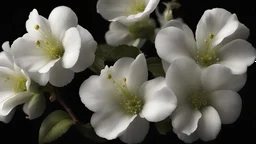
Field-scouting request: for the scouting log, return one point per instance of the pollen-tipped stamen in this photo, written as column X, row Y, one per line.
column 198, row 99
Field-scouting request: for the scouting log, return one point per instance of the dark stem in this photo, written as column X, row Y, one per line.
column 61, row 101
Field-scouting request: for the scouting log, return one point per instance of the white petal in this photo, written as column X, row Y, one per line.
column 60, row 76
column 61, row 19
column 150, row 7
column 189, row 36
column 111, row 124
column 159, row 100
column 5, row 60
column 35, row 107
column 72, row 44
column 171, row 44
column 209, row 125
column 6, row 119
column 137, row 43
column 137, row 74
column 110, row 9
column 40, row 78
column 97, row 93
column 242, row 32
column 185, row 119
column 88, row 48
column 34, row 20
column 136, row 131
column 28, row 56
column 118, row 34
column 219, row 77
column 218, row 22
column 183, row 77
column 48, row 66
column 228, row 104
column 187, row 138
column 237, row 55
column 165, row 65
column 11, row 102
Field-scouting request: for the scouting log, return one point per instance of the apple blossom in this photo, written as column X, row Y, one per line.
column 206, row 98
column 124, row 101
column 220, row 39
column 126, row 11
column 17, row 88
column 55, row 48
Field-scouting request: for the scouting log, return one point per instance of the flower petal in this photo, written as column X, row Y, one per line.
column 165, row 65
column 237, row 55
column 6, row 119
column 35, row 107
column 185, row 119
column 187, row 138
column 137, row 74
column 36, row 20
column 60, row 76
column 118, row 34
column 72, row 45
column 88, row 48
column 189, row 36
column 40, row 78
column 209, row 125
column 159, row 100
column 61, row 19
column 218, row 22
column 130, row 19
column 28, row 56
column 5, row 61
column 111, row 9
column 11, row 102
column 219, row 77
column 228, row 104
column 110, row 125
column 171, row 44
column 48, row 66
column 136, row 131
column 183, row 77
column 97, row 93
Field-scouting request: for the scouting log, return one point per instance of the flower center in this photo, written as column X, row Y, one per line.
column 198, row 99
column 144, row 29
column 52, row 47
column 208, row 55
column 19, row 84
column 131, row 103
column 137, row 6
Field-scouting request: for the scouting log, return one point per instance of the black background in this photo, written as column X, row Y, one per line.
column 20, row 130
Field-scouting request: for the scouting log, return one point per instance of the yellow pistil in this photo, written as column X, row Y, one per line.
column 52, row 47
column 131, row 104
column 19, row 84
column 207, row 56
column 137, row 6
column 198, row 100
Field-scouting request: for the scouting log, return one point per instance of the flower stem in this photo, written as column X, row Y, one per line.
column 64, row 105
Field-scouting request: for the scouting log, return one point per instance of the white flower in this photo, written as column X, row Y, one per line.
column 124, row 101
column 16, row 88
column 206, row 98
column 126, row 11
column 56, row 48
column 220, row 38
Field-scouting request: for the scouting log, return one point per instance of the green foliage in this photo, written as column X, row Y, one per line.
column 155, row 66
column 54, row 126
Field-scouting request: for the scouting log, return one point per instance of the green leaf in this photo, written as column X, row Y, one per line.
column 88, row 131
column 164, row 126
column 124, row 51
column 106, row 52
column 54, row 125
column 155, row 66
column 97, row 65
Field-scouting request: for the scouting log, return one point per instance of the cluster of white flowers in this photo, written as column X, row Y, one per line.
column 198, row 93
